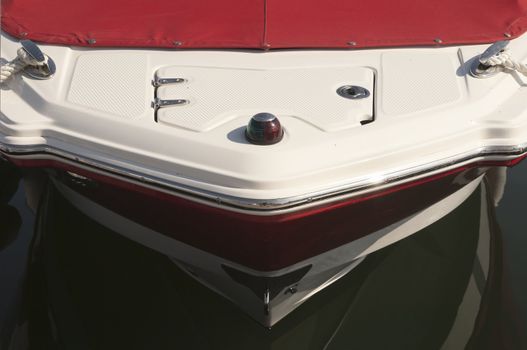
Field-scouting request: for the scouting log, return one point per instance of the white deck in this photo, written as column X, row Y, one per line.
column 427, row 112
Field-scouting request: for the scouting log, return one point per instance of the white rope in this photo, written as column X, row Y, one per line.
column 505, row 60
column 22, row 60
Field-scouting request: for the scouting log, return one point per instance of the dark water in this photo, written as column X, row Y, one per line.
column 66, row 282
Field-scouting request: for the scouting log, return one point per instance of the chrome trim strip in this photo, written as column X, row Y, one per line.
column 496, row 153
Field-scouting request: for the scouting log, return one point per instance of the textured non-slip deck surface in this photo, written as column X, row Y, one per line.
column 217, row 95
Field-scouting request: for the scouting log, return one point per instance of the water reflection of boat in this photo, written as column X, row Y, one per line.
column 439, row 289
column 265, row 225
column 282, row 263
column 10, row 220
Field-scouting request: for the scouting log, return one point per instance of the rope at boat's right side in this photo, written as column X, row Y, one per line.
column 505, row 60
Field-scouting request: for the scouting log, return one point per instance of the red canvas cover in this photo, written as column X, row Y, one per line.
column 265, row 24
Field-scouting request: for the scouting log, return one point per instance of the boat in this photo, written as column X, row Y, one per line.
column 269, row 147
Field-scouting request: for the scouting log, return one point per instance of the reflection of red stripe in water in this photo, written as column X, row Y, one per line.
column 272, row 242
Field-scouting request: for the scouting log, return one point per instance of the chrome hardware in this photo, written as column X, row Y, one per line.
column 266, row 302
column 159, row 103
column 33, row 50
column 42, row 72
column 157, row 82
column 79, row 180
column 266, row 286
column 480, row 70
column 353, row 92
column 264, row 117
column 493, row 50
column 291, row 290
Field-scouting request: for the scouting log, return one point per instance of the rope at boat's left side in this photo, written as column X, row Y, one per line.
column 22, row 60
column 505, row 60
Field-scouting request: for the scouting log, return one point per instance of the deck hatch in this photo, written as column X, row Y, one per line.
column 217, row 95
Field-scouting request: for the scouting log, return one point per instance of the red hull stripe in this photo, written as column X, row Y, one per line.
column 267, row 243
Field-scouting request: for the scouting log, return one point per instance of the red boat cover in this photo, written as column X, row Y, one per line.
column 264, row 23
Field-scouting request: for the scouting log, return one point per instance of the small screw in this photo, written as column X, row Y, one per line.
column 92, row 41
column 177, row 43
column 351, row 43
column 266, row 46
column 23, row 34
column 438, row 41
column 507, row 35
column 291, row 290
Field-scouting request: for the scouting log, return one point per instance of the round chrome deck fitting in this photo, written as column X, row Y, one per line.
column 480, row 70
column 33, row 50
column 353, row 92
column 42, row 72
column 264, row 129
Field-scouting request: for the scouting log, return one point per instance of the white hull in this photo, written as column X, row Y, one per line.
column 425, row 116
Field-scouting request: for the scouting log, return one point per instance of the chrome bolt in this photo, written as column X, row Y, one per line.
column 353, row 92
column 291, row 290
